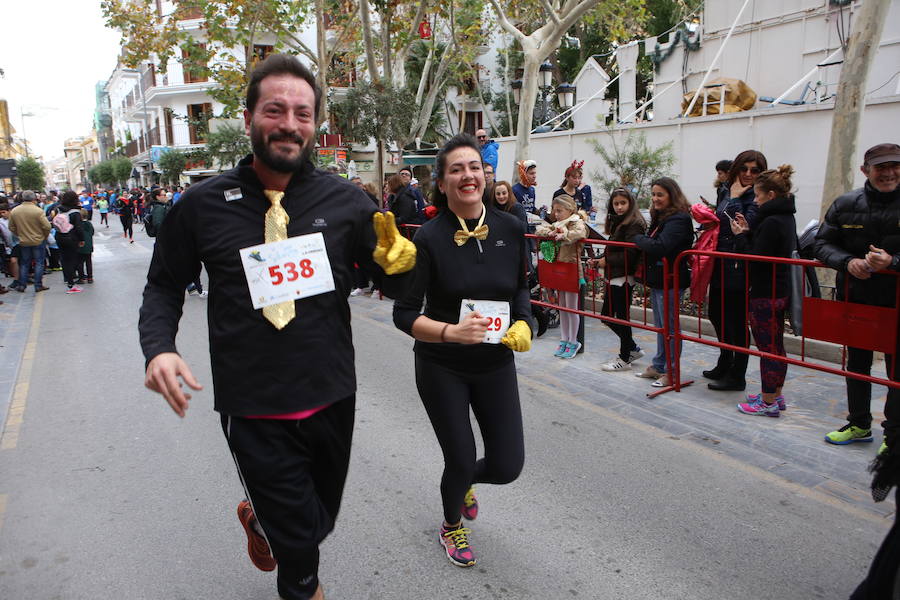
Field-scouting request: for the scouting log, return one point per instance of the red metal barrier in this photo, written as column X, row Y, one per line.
column 839, row 321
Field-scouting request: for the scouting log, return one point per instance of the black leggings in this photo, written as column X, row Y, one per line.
column 494, row 399
column 127, row 225
column 68, row 256
column 617, row 303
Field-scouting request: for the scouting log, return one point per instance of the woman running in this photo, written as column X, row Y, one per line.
column 126, row 216
column 470, row 275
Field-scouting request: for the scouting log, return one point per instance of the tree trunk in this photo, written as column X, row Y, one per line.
column 371, row 63
column 850, row 101
column 527, row 100
column 379, row 169
column 506, row 93
column 322, row 53
column 385, row 30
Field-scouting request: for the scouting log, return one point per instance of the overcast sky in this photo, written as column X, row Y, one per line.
column 53, row 53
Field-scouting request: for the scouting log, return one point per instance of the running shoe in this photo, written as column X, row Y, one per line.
column 74, row 290
column 616, row 365
column 848, row 434
column 561, row 349
column 649, row 373
column 572, row 349
column 779, row 400
column 456, row 542
column 470, row 505
column 883, row 448
column 257, row 546
column 635, row 354
column 357, row 292
column 759, row 408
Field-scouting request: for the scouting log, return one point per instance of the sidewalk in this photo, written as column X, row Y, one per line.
column 15, row 324
column 791, row 447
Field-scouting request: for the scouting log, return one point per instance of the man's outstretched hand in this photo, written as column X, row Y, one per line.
column 162, row 376
column 393, row 252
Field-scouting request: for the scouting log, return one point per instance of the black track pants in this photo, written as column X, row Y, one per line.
column 293, row 472
column 494, row 398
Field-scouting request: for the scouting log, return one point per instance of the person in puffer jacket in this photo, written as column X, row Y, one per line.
column 860, row 236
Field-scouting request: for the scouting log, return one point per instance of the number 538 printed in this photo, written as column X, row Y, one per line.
column 290, row 269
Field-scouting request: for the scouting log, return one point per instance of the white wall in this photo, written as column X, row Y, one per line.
column 795, row 135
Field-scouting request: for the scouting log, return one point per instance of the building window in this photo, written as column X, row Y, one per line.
column 198, row 121
column 170, row 136
column 473, row 121
column 193, row 63
column 260, row 52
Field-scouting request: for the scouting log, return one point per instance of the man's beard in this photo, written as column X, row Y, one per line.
column 278, row 162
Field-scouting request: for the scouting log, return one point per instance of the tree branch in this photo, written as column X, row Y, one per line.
column 550, row 11
column 505, row 24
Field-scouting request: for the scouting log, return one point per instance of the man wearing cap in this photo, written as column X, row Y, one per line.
column 860, row 236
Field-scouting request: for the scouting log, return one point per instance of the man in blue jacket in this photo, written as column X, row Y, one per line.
column 489, row 149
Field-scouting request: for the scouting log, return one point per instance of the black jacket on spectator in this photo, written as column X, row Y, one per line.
column 855, row 220
column 775, row 234
column 618, row 258
column 673, row 235
column 403, row 205
column 733, row 272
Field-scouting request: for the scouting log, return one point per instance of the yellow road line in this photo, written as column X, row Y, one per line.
column 16, row 415
column 752, row 470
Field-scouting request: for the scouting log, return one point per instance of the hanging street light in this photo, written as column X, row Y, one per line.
column 546, row 71
column 565, row 95
column 516, row 86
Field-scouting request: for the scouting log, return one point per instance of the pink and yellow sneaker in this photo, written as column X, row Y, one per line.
column 470, row 505
column 455, row 541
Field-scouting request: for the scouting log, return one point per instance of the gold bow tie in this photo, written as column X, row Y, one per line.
column 461, row 237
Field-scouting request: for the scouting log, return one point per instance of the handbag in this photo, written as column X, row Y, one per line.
column 562, row 276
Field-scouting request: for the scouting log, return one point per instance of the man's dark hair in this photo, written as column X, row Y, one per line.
column 280, row 64
column 723, row 165
column 407, row 169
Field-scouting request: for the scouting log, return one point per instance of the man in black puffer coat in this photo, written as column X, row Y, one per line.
column 861, row 235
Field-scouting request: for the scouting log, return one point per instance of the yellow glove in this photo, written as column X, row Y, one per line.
column 518, row 337
column 393, row 252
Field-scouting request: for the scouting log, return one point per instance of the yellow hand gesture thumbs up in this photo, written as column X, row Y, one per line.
column 393, row 252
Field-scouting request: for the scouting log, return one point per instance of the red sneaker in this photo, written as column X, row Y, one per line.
column 257, row 546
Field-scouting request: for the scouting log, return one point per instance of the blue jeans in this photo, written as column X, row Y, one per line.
column 656, row 302
column 27, row 254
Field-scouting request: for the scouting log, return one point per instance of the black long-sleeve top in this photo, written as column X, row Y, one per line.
column 257, row 369
column 774, row 234
column 445, row 274
column 666, row 240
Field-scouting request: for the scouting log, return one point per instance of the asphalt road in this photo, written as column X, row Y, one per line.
column 106, row 494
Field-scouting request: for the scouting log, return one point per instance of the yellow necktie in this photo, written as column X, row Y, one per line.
column 479, row 233
column 277, row 219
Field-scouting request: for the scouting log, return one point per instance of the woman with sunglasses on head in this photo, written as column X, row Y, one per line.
column 470, row 276
column 727, row 288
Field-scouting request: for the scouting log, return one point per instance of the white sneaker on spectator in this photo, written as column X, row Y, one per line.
column 357, row 292
column 617, row 365
column 635, row 354
column 203, row 294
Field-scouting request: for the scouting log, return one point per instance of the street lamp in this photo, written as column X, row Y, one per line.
column 565, row 94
